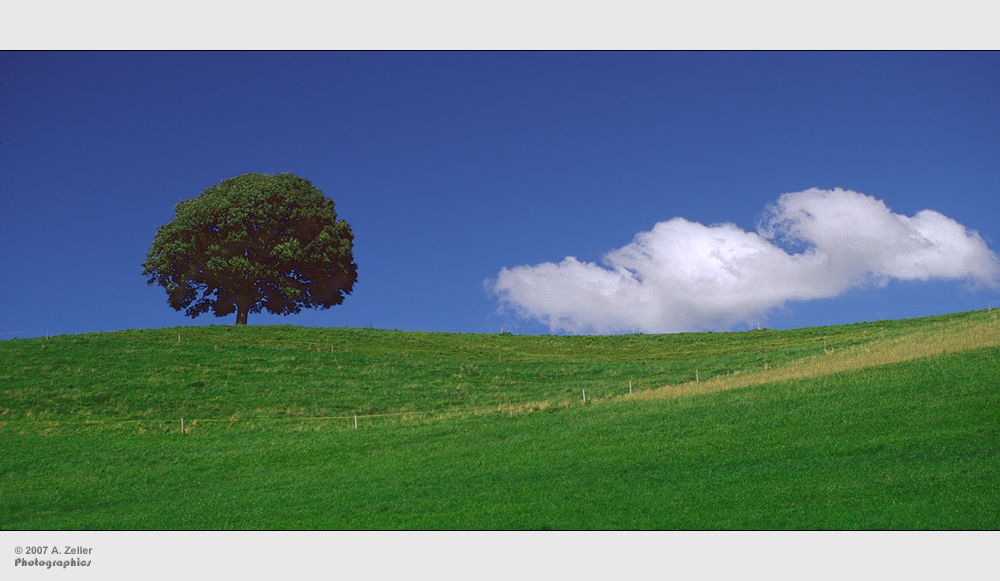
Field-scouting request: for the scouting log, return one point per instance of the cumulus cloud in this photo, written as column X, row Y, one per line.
column 683, row 276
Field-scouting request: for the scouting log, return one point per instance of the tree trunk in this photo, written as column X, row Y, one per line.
column 242, row 311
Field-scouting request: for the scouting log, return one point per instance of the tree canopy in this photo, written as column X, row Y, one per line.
column 251, row 243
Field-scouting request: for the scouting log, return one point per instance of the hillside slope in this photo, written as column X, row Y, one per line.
column 283, row 372
column 872, row 433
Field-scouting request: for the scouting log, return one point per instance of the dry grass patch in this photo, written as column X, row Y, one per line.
column 938, row 340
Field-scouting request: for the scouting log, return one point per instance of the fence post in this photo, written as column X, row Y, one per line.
column 182, row 425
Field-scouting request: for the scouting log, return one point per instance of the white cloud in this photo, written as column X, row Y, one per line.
column 683, row 276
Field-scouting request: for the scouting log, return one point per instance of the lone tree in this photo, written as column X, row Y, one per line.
column 254, row 242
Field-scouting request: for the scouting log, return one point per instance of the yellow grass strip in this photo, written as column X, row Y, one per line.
column 946, row 338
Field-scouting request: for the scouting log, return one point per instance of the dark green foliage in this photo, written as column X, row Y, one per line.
column 250, row 243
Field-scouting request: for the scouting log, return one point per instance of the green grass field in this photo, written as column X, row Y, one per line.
column 882, row 425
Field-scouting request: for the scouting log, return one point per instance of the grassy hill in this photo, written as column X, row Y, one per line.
column 891, row 424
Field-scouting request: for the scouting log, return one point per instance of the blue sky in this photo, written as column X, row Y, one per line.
column 452, row 167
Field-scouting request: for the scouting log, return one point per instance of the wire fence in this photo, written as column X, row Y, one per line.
column 355, row 421
column 798, row 346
